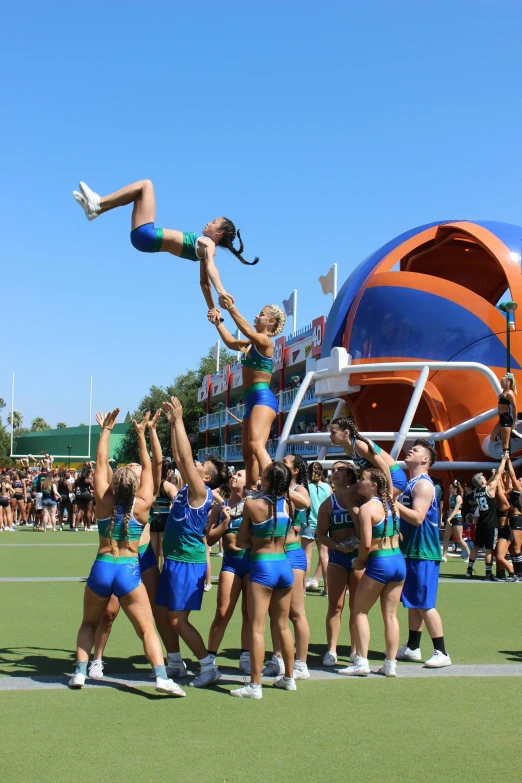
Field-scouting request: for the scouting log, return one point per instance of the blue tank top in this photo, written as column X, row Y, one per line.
column 266, row 529
column 135, row 528
column 254, row 361
column 362, row 462
column 385, row 526
column 185, row 529
column 421, row 542
column 236, row 517
column 340, row 518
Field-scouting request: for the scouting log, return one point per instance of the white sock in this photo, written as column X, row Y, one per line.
column 255, row 685
column 299, row 664
column 208, row 660
column 360, row 661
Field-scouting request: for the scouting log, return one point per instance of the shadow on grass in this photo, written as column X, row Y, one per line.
column 24, row 661
column 512, row 655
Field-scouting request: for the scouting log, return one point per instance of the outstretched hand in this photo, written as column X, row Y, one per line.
column 107, row 420
column 226, row 300
column 173, row 410
column 152, row 424
column 214, row 315
column 142, row 426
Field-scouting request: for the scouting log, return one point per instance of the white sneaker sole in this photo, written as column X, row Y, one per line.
column 168, row 692
column 436, row 665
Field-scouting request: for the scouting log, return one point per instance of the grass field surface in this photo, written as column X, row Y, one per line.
column 407, row 729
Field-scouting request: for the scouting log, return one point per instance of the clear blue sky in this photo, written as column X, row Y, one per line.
column 321, row 129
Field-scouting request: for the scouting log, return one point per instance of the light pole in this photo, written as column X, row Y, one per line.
column 220, row 406
column 69, row 449
column 507, row 308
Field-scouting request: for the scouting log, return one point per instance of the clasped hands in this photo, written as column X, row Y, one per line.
column 214, row 314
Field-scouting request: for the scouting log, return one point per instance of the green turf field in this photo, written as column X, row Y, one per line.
column 426, row 729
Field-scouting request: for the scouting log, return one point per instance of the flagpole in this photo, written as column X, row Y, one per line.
column 335, row 281
column 295, row 311
column 239, row 352
column 217, row 355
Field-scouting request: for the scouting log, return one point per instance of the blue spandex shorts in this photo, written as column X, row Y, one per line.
column 236, row 564
column 259, row 394
column 181, row 586
column 422, row 582
column 386, row 568
column 147, row 238
column 343, row 559
column 296, row 557
column 398, row 477
column 119, row 577
column 272, row 571
column 147, row 557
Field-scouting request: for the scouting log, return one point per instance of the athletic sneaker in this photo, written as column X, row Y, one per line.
column 176, row 669
column 491, row 578
column 330, row 659
column 437, row 660
column 286, row 683
column 508, row 578
column 169, row 687
column 389, row 668
column 77, row 681
column 324, row 594
column 274, row 668
column 92, row 199
column 244, row 663
column 444, row 559
column 96, row 670
column 206, row 677
column 357, row 669
column 405, row 654
column 207, row 587
column 312, row 583
column 301, row 671
column 247, row 692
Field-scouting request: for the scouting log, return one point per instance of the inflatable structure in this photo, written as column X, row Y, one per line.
column 419, row 317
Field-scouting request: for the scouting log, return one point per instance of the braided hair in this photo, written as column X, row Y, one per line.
column 279, row 478
column 279, row 318
column 125, row 484
column 345, row 423
column 229, row 234
column 377, row 476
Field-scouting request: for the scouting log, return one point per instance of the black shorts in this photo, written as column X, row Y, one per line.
column 4, row 502
column 18, row 496
column 158, row 522
column 506, row 533
column 505, row 419
column 82, row 501
column 457, row 521
column 486, row 536
column 515, row 522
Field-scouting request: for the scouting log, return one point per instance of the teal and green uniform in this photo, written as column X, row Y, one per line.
column 398, row 476
column 190, row 241
column 385, row 564
column 340, row 519
column 294, row 551
column 272, row 569
column 258, row 393
column 116, row 575
column 236, row 561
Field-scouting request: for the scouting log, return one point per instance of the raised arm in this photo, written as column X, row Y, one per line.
column 100, row 417
column 300, row 497
column 230, row 341
column 157, row 456
column 243, row 539
column 259, row 340
column 516, row 483
column 185, row 461
column 211, row 268
column 496, row 476
column 146, row 490
column 216, row 527
column 101, row 484
column 377, row 461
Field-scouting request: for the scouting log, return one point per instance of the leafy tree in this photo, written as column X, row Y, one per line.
column 185, row 387
column 2, row 402
column 39, row 424
column 81, row 424
column 61, row 425
column 17, row 419
column 5, row 441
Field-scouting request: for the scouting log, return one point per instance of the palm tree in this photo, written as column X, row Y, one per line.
column 39, row 424
column 17, row 419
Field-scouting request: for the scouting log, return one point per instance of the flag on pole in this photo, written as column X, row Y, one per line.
column 328, row 281
column 215, row 354
column 288, row 304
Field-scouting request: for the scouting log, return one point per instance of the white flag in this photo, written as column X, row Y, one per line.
column 215, row 351
column 327, row 281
